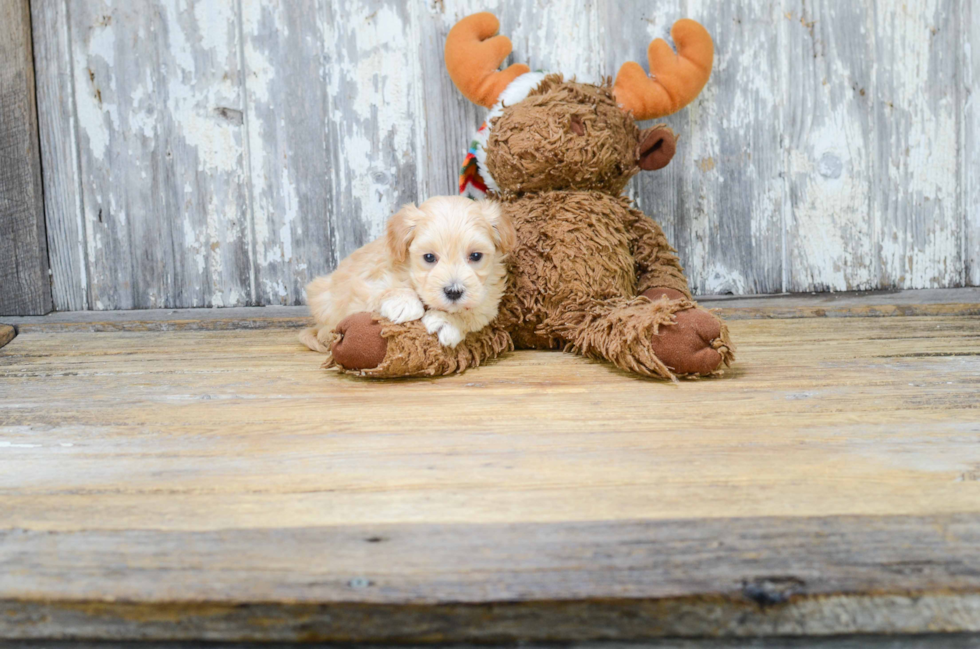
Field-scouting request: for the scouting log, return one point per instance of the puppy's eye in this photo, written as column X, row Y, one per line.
column 429, row 258
column 476, row 256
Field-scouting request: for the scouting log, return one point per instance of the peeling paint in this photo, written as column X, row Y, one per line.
column 919, row 237
column 229, row 151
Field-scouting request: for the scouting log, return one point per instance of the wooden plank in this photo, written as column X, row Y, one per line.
column 7, row 333
column 557, row 37
column 453, row 583
column 886, row 406
column 299, row 127
column 734, row 195
column 828, row 132
column 282, row 317
column 287, row 75
column 373, row 127
column 969, row 178
column 917, row 100
column 159, row 104
column 197, row 496
column 918, row 641
column 24, row 284
column 59, row 148
column 852, row 298
column 848, row 311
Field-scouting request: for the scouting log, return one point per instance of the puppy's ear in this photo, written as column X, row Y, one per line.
column 501, row 227
column 401, row 231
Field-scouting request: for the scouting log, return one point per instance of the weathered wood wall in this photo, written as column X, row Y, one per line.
column 24, row 284
column 224, row 152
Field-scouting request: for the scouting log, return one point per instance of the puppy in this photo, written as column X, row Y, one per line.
column 442, row 262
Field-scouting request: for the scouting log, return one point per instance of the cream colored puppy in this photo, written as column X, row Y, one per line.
column 442, row 262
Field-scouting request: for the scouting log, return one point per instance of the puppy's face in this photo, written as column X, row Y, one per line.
column 452, row 247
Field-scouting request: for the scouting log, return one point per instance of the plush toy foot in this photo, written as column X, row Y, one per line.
column 696, row 344
column 361, row 346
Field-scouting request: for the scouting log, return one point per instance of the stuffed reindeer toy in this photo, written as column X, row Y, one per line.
column 590, row 274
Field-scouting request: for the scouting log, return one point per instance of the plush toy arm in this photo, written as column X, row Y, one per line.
column 375, row 347
column 657, row 265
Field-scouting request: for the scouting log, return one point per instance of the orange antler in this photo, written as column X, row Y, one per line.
column 674, row 80
column 474, row 54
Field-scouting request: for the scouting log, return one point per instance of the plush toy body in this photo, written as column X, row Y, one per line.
column 590, row 273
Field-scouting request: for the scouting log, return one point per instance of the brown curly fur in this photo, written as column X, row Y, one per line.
column 561, row 158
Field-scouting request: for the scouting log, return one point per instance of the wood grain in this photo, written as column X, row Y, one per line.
column 917, row 641
column 829, row 136
column 24, row 285
column 916, row 418
column 58, row 127
column 863, row 641
column 916, row 113
column 290, row 147
column 969, row 180
column 278, row 137
column 163, row 175
column 451, row 583
column 736, row 195
column 219, row 485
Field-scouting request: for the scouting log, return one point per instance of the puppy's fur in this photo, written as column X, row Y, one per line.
column 443, row 262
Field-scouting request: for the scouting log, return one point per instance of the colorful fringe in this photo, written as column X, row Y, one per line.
column 471, row 184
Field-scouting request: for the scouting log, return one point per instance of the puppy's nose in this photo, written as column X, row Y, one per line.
column 453, row 292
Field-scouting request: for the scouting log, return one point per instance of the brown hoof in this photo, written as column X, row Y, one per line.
column 691, row 345
column 361, row 346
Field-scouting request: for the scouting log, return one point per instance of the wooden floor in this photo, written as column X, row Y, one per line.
column 217, row 484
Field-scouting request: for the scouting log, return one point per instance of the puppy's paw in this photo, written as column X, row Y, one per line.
column 450, row 335
column 433, row 321
column 402, row 308
column 436, row 323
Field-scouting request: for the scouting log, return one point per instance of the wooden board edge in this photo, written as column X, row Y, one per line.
column 7, row 333
column 599, row 580
column 538, row 621
column 130, row 321
column 849, row 311
column 851, row 641
column 25, row 287
column 135, row 324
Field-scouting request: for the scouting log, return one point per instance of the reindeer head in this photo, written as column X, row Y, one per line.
column 546, row 133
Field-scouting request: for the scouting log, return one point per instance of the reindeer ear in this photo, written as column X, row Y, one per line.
column 401, row 231
column 501, row 226
column 656, row 148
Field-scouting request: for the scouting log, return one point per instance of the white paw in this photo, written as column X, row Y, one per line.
column 402, row 308
column 450, row 336
column 436, row 323
column 433, row 321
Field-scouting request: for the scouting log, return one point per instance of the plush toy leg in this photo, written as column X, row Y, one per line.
column 372, row 346
column 661, row 338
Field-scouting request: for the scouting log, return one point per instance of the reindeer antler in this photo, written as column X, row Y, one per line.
column 474, row 54
column 674, row 80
